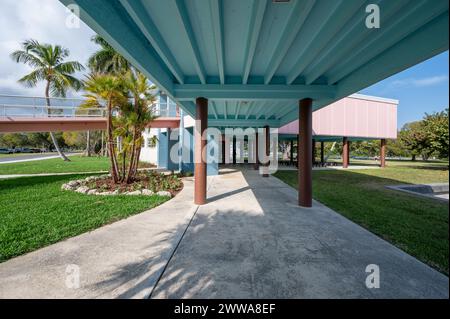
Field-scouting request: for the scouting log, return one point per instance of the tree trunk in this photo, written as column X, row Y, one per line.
column 413, row 158
column 112, row 153
column 88, row 143
column 54, row 140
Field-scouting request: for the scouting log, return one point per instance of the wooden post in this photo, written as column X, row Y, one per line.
column 201, row 124
column 266, row 165
column 345, row 152
column 256, row 165
column 383, row 153
column 305, row 153
column 322, row 161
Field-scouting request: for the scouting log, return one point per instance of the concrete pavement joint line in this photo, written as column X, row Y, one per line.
column 178, row 243
column 172, row 254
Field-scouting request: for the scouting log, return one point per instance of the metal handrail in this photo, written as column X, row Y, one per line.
column 8, row 110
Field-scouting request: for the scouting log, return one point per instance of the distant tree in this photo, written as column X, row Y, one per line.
column 13, row 140
column 415, row 138
column 49, row 66
column 436, row 128
column 397, row 148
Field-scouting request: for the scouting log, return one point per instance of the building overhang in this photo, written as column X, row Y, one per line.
column 255, row 59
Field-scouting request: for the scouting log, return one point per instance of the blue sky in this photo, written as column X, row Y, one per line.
column 422, row 88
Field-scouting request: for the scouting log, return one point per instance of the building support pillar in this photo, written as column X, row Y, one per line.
column 200, row 174
column 322, row 157
column 345, row 152
column 223, row 150
column 383, row 153
column 304, row 156
column 234, row 150
column 256, row 150
column 291, row 153
column 267, row 140
column 313, row 151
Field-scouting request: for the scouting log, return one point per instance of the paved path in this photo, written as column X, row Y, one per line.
column 31, row 157
column 250, row 241
column 121, row 260
column 253, row 241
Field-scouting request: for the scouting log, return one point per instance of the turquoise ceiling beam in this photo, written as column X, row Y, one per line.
column 348, row 40
column 405, row 54
column 338, row 13
column 107, row 20
column 217, row 20
column 256, row 18
column 143, row 20
column 243, row 123
column 213, row 107
column 238, row 110
column 250, row 106
column 295, row 21
column 414, row 16
column 182, row 14
column 253, row 91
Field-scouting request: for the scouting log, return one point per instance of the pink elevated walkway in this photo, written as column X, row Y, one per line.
column 357, row 116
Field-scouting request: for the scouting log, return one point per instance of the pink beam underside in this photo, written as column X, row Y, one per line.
column 353, row 117
column 22, row 124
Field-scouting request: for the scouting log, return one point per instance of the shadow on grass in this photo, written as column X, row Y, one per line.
column 12, row 183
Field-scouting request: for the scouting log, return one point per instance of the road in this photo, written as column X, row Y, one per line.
column 30, row 157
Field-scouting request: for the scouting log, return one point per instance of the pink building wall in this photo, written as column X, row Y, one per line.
column 354, row 116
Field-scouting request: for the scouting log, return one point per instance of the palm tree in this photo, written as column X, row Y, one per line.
column 107, row 60
column 106, row 90
column 141, row 115
column 49, row 66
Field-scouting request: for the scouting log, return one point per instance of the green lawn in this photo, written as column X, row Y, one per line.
column 419, row 226
column 34, row 212
column 77, row 164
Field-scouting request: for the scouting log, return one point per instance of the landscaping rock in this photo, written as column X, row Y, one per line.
column 105, row 193
column 135, row 193
column 147, row 192
column 164, row 193
column 82, row 189
column 92, row 192
column 73, row 184
column 66, row 187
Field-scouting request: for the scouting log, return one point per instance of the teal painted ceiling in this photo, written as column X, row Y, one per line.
column 254, row 59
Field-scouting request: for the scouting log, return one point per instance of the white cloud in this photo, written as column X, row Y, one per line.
column 45, row 21
column 422, row 82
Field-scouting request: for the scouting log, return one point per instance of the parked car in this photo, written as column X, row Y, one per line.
column 5, row 150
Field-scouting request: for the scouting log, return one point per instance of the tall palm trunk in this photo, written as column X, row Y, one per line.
column 54, row 140
column 88, row 143
column 111, row 150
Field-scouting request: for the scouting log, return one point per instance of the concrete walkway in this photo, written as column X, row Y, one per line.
column 250, row 241
column 121, row 260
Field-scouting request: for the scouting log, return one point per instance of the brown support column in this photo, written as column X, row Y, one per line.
column 345, row 152
column 291, row 151
column 223, row 149
column 266, row 169
column 305, row 153
column 256, row 165
column 383, row 153
column 234, row 150
column 322, row 161
column 313, row 151
column 201, row 123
